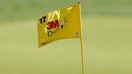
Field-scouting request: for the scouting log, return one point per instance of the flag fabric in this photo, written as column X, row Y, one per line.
column 59, row 24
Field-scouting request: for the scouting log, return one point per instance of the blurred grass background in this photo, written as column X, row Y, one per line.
column 107, row 28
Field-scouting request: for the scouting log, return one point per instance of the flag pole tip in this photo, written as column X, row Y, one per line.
column 78, row 2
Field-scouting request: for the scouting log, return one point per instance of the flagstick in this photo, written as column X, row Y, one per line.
column 82, row 58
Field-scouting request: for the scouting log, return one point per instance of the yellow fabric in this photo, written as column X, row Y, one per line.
column 59, row 24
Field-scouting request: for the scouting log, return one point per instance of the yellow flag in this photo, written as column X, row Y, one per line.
column 60, row 24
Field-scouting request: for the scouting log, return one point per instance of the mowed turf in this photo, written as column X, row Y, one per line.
column 12, row 10
column 106, row 43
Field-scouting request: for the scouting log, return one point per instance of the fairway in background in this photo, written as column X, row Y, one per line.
column 11, row 10
column 107, row 49
column 107, row 39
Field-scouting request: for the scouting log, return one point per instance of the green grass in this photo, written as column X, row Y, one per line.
column 12, row 10
column 106, row 42
column 108, row 49
column 107, row 39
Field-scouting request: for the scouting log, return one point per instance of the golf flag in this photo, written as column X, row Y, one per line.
column 59, row 24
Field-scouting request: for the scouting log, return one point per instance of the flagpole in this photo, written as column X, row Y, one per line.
column 82, row 57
